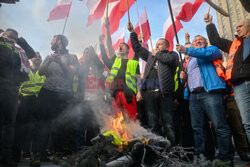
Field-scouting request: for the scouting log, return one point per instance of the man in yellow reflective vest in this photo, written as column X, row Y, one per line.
column 28, row 93
column 122, row 77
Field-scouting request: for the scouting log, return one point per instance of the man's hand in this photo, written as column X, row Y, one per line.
column 208, row 18
column 140, row 37
column 187, row 37
column 180, row 48
column 154, row 52
column 138, row 96
column 130, row 27
column 183, row 76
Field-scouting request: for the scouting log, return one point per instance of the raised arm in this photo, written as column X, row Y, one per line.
column 108, row 38
column 138, row 49
column 105, row 58
column 213, row 35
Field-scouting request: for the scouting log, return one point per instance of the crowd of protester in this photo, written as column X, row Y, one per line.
column 199, row 103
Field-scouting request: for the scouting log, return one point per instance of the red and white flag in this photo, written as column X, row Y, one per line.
column 143, row 21
column 185, row 9
column 116, row 11
column 96, row 10
column 61, row 10
column 117, row 38
column 168, row 31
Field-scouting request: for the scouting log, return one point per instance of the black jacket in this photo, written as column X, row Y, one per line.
column 167, row 65
column 241, row 69
column 10, row 64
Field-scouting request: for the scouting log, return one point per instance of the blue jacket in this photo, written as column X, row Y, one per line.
column 205, row 57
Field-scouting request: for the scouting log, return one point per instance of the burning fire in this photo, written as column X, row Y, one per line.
column 118, row 127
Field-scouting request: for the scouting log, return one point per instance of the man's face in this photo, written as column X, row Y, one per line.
column 11, row 35
column 86, row 54
column 37, row 59
column 199, row 42
column 54, row 44
column 243, row 29
column 123, row 50
column 161, row 45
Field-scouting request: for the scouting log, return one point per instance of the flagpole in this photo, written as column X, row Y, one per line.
column 107, row 9
column 66, row 20
column 128, row 11
column 138, row 17
column 176, row 36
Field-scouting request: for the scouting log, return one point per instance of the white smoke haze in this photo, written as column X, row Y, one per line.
column 31, row 23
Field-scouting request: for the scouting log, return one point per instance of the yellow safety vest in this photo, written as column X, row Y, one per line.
column 130, row 75
column 33, row 85
column 176, row 81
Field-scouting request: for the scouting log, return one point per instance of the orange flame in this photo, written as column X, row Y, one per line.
column 118, row 127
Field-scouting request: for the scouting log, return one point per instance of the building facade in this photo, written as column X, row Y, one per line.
column 227, row 25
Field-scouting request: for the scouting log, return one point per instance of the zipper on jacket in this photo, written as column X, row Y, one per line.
column 203, row 75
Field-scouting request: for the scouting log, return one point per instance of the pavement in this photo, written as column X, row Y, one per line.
column 237, row 163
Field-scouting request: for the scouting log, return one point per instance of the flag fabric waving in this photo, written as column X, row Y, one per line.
column 168, row 31
column 185, row 9
column 96, row 10
column 61, row 10
column 115, row 13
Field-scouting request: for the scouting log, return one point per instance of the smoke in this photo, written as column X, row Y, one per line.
column 29, row 18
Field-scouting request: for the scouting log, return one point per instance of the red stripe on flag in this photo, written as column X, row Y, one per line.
column 59, row 12
column 170, row 33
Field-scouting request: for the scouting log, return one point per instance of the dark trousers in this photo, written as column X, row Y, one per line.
column 157, row 107
column 25, row 122
column 49, row 120
column 88, row 126
column 8, row 111
column 235, row 123
column 210, row 105
column 183, row 127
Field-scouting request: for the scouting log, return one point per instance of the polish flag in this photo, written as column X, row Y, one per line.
column 61, row 10
column 116, row 11
column 96, row 10
column 143, row 21
column 168, row 31
column 185, row 9
column 117, row 38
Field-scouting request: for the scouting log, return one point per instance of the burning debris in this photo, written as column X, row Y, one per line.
column 120, row 146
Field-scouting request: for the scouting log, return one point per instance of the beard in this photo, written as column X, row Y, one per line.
column 54, row 47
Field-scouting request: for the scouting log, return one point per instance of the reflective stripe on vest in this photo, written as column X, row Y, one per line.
column 33, row 85
column 9, row 46
column 176, row 81
column 229, row 67
column 130, row 75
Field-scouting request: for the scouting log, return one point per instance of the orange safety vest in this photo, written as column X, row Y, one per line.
column 230, row 62
column 219, row 68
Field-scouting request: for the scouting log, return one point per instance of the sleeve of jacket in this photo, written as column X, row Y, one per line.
column 216, row 40
column 138, row 49
column 169, row 58
column 105, row 58
column 209, row 53
column 26, row 47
